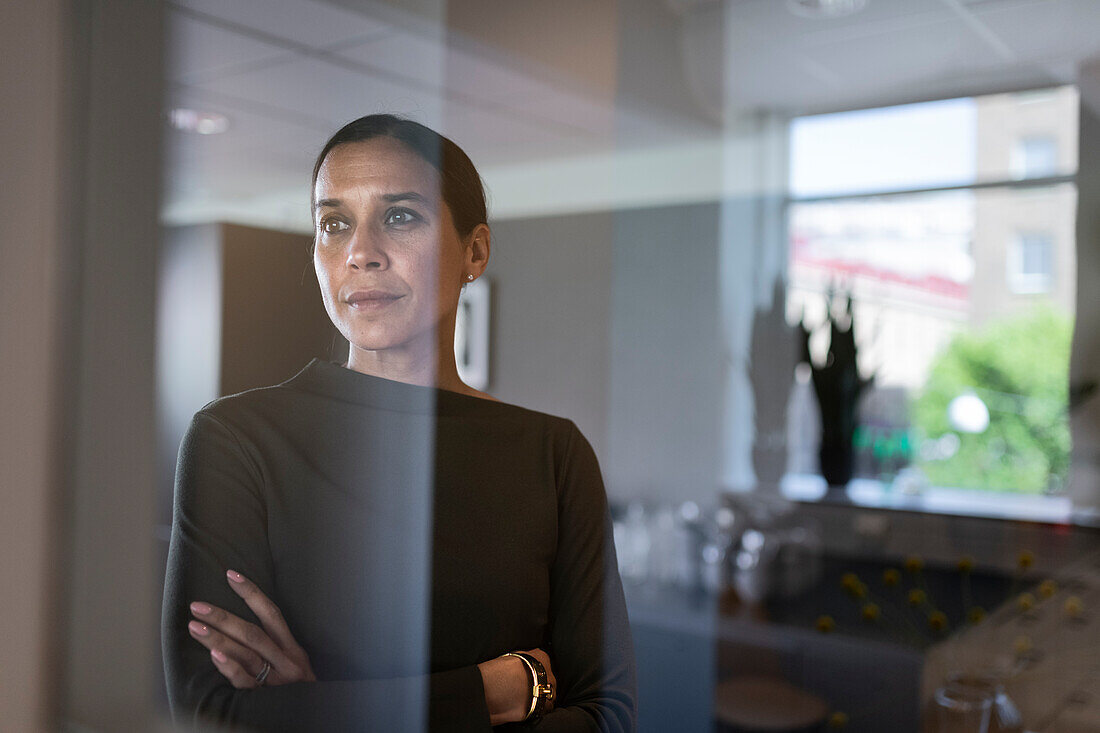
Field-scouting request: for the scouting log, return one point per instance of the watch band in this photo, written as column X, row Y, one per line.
column 542, row 692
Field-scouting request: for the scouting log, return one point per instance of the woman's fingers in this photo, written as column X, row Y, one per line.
column 241, row 665
column 238, row 664
column 264, row 608
column 245, row 646
column 249, row 645
column 239, row 635
column 274, row 624
column 232, row 670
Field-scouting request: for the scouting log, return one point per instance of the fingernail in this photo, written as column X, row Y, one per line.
column 200, row 608
column 218, row 655
column 196, row 628
column 235, row 576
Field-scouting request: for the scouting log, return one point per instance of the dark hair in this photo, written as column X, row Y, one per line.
column 460, row 184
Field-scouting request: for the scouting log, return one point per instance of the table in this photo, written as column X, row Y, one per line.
column 1046, row 644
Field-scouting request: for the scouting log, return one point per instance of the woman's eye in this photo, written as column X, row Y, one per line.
column 401, row 217
column 332, row 226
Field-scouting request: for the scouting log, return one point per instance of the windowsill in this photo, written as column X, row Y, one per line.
column 872, row 494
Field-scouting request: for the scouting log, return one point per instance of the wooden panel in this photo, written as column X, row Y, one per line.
column 273, row 320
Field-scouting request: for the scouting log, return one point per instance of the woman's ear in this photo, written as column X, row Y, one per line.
column 478, row 245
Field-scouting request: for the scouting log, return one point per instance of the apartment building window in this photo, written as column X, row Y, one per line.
column 1029, row 263
column 1035, row 156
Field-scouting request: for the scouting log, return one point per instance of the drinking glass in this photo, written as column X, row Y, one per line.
column 962, row 705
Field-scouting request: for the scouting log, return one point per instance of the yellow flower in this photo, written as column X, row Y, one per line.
column 914, row 563
column 917, row 597
column 1074, row 607
column 1048, row 588
column 870, row 611
column 825, row 624
column 891, row 576
column 1021, row 645
column 851, row 583
column 937, row 621
column 1025, row 560
column 965, row 564
column 975, row 615
column 1025, row 601
column 838, row 720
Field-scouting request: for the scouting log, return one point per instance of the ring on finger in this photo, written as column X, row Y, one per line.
column 262, row 676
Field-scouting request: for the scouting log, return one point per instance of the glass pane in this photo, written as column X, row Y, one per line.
column 853, row 152
column 953, row 142
column 969, row 365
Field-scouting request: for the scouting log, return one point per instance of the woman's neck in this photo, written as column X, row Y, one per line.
column 431, row 363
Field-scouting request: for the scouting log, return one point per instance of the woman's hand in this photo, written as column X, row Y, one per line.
column 239, row 649
column 508, row 686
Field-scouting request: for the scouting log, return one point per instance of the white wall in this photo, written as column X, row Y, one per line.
column 550, row 321
column 189, row 340
column 666, row 369
column 640, row 271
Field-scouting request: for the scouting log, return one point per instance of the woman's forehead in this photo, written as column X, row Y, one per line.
column 375, row 167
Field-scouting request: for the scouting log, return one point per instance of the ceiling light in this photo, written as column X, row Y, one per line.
column 193, row 120
column 825, row 8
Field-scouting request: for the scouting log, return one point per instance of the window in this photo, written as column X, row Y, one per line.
column 1035, row 156
column 1029, row 263
column 918, row 212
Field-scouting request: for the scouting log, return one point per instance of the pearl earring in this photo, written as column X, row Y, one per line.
column 469, row 277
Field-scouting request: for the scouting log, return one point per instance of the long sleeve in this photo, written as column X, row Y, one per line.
column 591, row 647
column 220, row 522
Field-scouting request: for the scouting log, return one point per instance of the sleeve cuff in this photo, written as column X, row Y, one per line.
column 458, row 701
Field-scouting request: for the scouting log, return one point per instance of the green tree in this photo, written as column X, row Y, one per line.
column 1019, row 367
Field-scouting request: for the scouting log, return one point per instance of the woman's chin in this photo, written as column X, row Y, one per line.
column 398, row 336
column 374, row 345
column 388, row 341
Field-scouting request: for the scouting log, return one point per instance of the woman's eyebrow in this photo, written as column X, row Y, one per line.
column 388, row 198
column 406, row 196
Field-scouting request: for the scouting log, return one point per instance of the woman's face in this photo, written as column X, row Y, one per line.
column 388, row 258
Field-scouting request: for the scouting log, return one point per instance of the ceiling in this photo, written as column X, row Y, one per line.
column 523, row 85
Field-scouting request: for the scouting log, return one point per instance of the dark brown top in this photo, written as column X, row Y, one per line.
column 407, row 534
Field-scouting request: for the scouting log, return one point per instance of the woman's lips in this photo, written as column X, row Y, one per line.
column 371, row 299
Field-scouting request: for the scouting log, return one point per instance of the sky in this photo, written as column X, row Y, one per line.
column 909, row 146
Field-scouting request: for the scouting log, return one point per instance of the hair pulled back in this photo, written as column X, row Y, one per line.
column 460, row 184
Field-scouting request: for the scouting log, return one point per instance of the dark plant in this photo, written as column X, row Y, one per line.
column 838, row 387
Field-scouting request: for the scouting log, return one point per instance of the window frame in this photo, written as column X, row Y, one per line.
column 872, row 493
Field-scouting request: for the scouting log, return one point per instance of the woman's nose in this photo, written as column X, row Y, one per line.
column 367, row 251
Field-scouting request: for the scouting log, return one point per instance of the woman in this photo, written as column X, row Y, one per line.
column 376, row 545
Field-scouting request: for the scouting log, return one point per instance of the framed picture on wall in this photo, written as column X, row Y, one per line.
column 472, row 334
